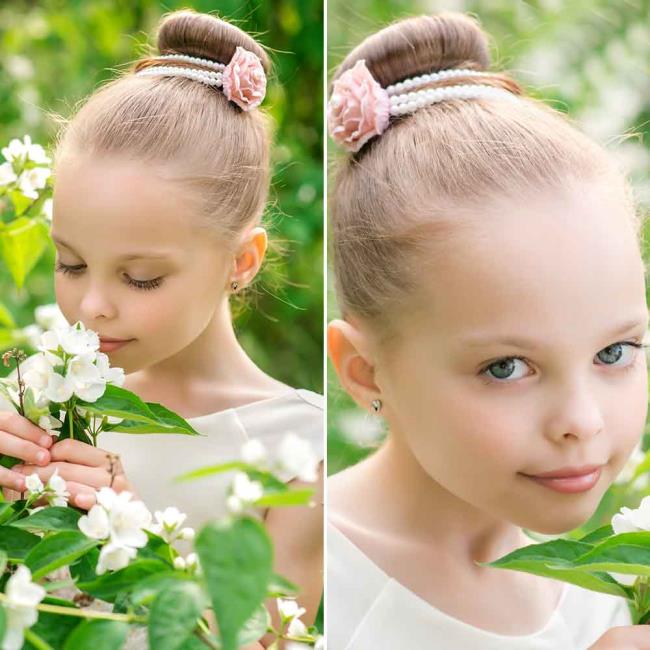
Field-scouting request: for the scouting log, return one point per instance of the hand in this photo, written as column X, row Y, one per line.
column 624, row 637
column 22, row 439
column 84, row 468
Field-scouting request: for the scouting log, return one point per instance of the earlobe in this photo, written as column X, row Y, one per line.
column 250, row 255
column 349, row 352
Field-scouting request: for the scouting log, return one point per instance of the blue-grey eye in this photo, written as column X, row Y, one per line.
column 504, row 368
column 611, row 354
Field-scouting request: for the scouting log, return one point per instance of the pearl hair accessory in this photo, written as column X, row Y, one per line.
column 360, row 108
column 243, row 80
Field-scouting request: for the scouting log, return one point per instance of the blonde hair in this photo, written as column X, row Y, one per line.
column 220, row 151
column 409, row 186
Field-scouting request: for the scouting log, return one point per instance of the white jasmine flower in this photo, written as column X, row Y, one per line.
column 168, row 523
column 95, row 524
column 57, row 492
column 39, row 374
column 297, row 456
column 110, row 375
column 37, row 154
column 113, row 557
column 32, row 180
column 320, row 642
column 7, row 174
column 34, row 484
column 234, row 505
column 253, row 452
column 22, row 597
column 128, row 519
column 50, row 316
column 192, row 561
column 296, row 627
column 78, row 340
column 631, row 520
column 59, row 389
column 179, row 563
column 50, row 341
column 16, row 149
column 187, row 534
column 49, row 423
column 288, row 608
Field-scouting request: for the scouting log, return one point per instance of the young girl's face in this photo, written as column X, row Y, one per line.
column 558, row 281
column 130, row 262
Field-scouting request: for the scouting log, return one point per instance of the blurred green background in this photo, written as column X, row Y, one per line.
column 587, row 58
column 54, row 53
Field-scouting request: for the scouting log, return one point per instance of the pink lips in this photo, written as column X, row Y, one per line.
column 109, row 345
column 569, row 479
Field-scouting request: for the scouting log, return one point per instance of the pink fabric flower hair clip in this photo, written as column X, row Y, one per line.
column 243, row 80
column 358, row 109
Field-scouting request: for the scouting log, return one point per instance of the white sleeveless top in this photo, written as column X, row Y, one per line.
column 151, row 461
column 369, row 610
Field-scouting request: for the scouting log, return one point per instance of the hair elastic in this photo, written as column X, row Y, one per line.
column 243, row 80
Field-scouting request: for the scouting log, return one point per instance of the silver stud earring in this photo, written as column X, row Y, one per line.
column 376, row 405
column 234, row 285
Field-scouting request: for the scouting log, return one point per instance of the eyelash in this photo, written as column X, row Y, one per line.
column 487, row 380
column 144, row 285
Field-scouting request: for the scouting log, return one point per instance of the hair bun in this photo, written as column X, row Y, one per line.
column 206, row 36
column 420, row 45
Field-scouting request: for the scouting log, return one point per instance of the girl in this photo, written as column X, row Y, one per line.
column 491, row 285
column 161, row 181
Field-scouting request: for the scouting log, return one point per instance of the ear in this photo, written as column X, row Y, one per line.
column 249, row 256
column 349, row 350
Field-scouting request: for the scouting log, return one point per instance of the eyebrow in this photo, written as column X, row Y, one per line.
column 126, row 256
column 530, row 344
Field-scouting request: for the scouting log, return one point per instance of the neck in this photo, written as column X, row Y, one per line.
column 403, row 500
column 214, row 358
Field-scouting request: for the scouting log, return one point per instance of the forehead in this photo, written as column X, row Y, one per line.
column 562, row 264
column 120, row 201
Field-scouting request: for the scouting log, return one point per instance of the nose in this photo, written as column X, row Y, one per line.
column 96, row 303
column 577, row 412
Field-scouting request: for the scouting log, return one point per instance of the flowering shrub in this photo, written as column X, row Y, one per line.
column 117, row 552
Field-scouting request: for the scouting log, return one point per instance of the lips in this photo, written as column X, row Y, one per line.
column 568, row 472
column 107, row 339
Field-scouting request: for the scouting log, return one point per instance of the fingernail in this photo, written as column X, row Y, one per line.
column 42, row 456
column 19, row 484
column 45, row 441
column 84, row 501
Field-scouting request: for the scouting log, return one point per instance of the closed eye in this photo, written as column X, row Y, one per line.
column 138, row 284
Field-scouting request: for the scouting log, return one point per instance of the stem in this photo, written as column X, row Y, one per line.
column 36, row 641
column 88, row 613
column 206, row 639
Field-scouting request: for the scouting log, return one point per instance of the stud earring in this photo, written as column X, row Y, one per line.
column 376, row 405
column 234, row 285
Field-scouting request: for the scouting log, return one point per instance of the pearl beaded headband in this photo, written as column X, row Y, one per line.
column 243, row 80
column 360, row 108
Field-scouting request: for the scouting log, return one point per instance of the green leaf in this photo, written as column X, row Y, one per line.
column 109, row 585
column 237, row 558
column 173, row 616
column 255, row 627
column 596, row 535
column 22, row 243
column 144, row 591
column 55, row 518
column 6, row 319
column 554, row 559
column 53, row 629
column 57, row 550
column 286, row 498
column 17, row 543
column 98, row 635
column 279, row 587
column 212, row 469
column 3, row 622
column 624, row 553
column 138, row 416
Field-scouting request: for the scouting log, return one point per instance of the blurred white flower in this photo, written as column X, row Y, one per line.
column 19, row 67
column 32, row 180
column 34, row 484
column 254, row 452
column 110, row 375
column 7, row 174
column 296, row 627
column 179, row 563
column 289, row 608
column 244, row 493
column 361, row 428
column 95, row 524
column 49, row 316
column 168, row 525
column 629, row 520
column 189, row 563
column 76, row 339
column 47, row 209
column 16, row 150
column 113, row 557
column 22, row 597
column 297, row 457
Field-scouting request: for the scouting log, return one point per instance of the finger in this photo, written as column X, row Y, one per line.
column 81, row 453
column 18, row 448
column 94, row 477
column 18, row 425
column 81, row 495
column 12, row 480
